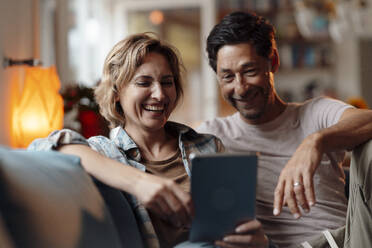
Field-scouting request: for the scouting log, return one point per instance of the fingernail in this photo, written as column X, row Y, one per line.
column 276, row 211
column 238, row 229
column 226, row 239
column 296, row 215
column 311, row 203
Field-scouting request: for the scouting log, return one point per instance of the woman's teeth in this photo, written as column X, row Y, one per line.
column 153, row 108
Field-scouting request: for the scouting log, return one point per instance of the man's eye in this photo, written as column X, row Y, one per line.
column 250, row 72
column 227, row 77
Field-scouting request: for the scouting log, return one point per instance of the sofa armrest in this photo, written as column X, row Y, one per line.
column 122, row 214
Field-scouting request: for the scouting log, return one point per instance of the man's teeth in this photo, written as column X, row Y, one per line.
column 154, row 108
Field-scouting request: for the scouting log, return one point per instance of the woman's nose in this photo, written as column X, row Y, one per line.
column 158, row 92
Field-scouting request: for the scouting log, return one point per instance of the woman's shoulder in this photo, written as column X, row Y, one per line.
column 187, row 131
column 192, row 138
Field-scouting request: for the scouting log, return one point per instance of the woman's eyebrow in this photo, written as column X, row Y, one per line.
column 170, row 76
column 143, row 77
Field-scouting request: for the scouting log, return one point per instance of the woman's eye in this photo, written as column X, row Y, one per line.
column 143, row 83
column 167, row 83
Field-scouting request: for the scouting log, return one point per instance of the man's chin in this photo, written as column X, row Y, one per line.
column 250, row 115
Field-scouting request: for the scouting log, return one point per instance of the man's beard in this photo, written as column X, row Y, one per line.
column 265, row 93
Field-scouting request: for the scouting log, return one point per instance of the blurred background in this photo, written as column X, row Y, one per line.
column 325, row 47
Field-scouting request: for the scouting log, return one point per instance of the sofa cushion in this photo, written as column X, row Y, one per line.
column 5, row 238
column 48, row 200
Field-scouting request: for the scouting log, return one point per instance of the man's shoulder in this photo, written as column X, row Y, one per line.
column 218, row 126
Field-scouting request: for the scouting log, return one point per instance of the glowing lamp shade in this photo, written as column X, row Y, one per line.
column 38, row 109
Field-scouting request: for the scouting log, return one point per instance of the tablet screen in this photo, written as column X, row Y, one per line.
column 223, row 189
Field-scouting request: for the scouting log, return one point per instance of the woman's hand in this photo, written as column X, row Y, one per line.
column 166, row 199
column 248, row 234
column 163, row 196
column 295, row 186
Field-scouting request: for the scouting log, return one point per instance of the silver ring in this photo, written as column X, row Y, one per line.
column 297, row 184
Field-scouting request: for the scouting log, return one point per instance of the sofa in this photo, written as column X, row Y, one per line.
column 48, row 200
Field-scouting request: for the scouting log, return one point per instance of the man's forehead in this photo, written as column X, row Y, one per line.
column 237, row 55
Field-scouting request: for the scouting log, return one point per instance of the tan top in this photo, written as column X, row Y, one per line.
column 172, row 168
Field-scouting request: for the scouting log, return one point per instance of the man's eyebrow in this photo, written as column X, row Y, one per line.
column 248, row 64
column 243, row 66
column 224, row 70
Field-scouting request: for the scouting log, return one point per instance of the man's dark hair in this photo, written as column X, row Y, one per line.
column 241, row 27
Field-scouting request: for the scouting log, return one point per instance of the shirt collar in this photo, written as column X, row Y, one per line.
column 121, row 138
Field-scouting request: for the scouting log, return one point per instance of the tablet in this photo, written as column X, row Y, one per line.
column 223, row 189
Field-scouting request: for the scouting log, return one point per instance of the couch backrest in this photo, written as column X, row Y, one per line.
column 48, row 200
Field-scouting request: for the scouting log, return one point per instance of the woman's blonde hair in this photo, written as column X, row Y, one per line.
column 120, row 66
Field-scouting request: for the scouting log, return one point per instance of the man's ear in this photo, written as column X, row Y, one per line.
column 274, row 61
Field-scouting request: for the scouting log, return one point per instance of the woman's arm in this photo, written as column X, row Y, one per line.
column 163, row 196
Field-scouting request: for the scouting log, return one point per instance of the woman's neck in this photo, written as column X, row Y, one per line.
column 154, row 145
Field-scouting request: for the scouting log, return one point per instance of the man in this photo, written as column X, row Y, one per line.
column 301, row 145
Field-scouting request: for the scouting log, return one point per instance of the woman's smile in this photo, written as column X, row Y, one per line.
column 150, row 97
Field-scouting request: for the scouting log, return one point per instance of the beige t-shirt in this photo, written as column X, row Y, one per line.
column 174, row 169
column 276, row 141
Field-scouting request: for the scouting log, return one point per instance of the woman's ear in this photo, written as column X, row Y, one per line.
column 117, row 96
column 274, row 61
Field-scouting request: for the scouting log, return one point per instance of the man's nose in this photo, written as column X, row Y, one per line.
column 241, row 86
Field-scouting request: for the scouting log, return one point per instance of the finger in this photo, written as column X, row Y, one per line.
column 278, row 197
column 223, row 244
column 309, row 189
column 291, row 201
column 241, row 239
column 185, row 198
column 175, row 204
column 249, row 226
column 155, row 208
column 298, row 189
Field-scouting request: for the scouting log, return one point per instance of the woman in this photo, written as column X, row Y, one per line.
column 140, row 87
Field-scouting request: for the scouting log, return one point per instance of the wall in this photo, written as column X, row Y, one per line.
column 16, row 41
column 347, row 78
column 365, row 51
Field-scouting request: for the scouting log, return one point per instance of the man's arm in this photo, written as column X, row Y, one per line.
column 295, row 186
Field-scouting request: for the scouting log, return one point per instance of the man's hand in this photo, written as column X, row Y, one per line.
column 166, row 199
column 248, row 234
column 295, row 186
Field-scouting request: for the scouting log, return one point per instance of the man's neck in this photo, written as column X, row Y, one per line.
column 274, row 108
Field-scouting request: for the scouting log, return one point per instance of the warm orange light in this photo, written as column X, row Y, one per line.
column 38, row 109
column 156, row 17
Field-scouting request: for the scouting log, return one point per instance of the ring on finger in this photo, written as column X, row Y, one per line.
column 296, row 184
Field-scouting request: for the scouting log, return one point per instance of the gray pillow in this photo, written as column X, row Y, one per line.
column 48, row 200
